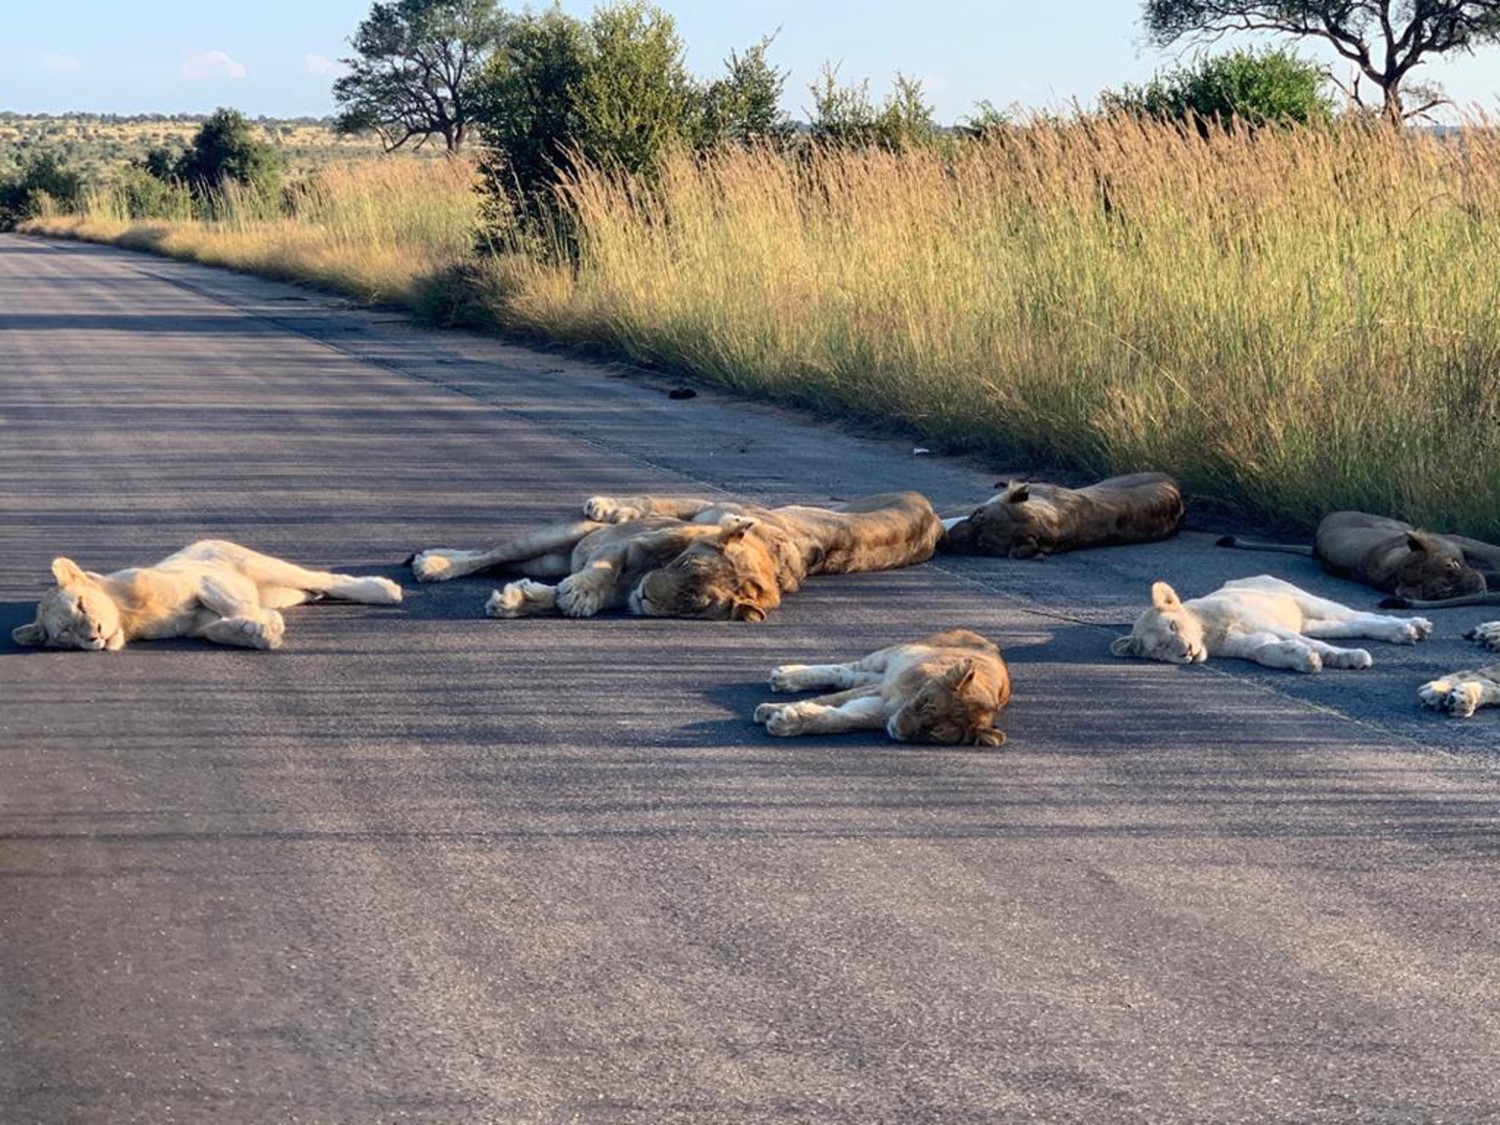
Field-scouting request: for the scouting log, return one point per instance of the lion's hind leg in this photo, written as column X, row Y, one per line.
column 1486, row 633
column 439, row 564
column 811, row 677
column 1460, row 694
column 1376, row 626
column 263, row 632
column 282, row 584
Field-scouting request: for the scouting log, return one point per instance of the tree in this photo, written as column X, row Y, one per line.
column 1256, row 88
column 613, row 90
column 745, row 106
column 224, row 149
column 844, row 115
column 1384, row 39
column 43, row 176
column 415, row 61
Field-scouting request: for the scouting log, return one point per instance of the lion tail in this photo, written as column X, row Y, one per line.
column 1244, row 544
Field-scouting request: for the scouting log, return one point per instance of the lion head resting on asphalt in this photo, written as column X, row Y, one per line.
column 1032, row 520
column 945, row 689
column 1421, row 569
column 691, row 556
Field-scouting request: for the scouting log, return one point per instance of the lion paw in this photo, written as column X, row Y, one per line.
column 784, row 722
column 764, row 712
column 380, row 591
column 507, row 602
column 1486, row 634
column 606, row 509
column 1355, row 658
column 785, row 677
column 1412, row 630
column 1460, row 700
column 435, row 565
column 578, row 596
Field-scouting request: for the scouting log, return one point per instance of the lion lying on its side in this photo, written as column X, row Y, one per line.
column 1422, row 569
column 1033, row 520
column 1262, row 619
column 219, row 591
column 692, row 557
column 1462, row 693
column 946, row 688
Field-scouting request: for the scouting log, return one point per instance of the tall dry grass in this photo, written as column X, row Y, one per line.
column 1297, row 321
column 380, row 230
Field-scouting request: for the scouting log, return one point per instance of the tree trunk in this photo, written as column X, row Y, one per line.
column 1391, row 88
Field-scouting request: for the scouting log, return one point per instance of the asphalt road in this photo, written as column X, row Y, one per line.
column 423, row 866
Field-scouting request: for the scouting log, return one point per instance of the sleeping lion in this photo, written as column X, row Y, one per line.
column 1262, row 619
column 946, row 688
column 219, row 591
column 687, row 556
column 1033, row 520
column 1462, row 693
column 1422, row 569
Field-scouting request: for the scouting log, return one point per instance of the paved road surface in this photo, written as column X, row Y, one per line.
column 422, row 866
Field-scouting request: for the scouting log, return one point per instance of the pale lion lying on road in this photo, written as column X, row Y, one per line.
column 946, row 688
column 219, row 591
column 1462, row 693
column 1262, row 619
column 688, row 556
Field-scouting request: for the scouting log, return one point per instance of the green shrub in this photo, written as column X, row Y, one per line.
column 1257, row 88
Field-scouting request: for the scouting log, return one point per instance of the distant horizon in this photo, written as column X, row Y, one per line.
column 167, row 57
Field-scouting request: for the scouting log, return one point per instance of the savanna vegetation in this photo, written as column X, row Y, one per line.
column 1291, row 310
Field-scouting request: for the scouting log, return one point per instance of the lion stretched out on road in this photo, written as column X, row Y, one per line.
column 1424, row 570
column 687, row 556
column 1462, row 693
column 946, row 688
column 219, row 591
column 1262, row 619
column 1034, row 520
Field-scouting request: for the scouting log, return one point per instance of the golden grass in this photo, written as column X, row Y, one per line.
column 1295, row 322
column 379, row 230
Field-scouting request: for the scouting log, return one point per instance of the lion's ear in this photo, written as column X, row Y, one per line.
column 734, row 527
column 747, row 611
column 1416, row 541
column 959, row 675
column 1124, row 646
column 1017, row 492
column 69, row 573
column 1163, row 596
column 28, row 635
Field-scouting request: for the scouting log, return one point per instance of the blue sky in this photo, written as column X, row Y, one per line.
column 276, row 57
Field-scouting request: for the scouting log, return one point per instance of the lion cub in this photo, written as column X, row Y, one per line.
column 946, row 688
column 1263, row 619
column 1462, row 693
column 212, row 589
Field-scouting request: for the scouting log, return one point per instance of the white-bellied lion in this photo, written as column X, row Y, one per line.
column 1263, row 619
column 1462, row 693
column 688, row 556
column 212, row 589
column 946, row 689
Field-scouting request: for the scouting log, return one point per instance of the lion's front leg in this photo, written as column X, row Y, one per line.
column 262, row 632
column 860, row 709
column 440, row 564
column 1487, row 634
column 1462, row 693
column 524, row 598
column 231, row 604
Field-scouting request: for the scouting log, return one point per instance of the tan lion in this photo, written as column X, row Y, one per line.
column 219, row 591
column 1262, row 619
column 1462, row 693
column 947, row 688
column 1035, row 520
column 1424, row 570
column 688, row 556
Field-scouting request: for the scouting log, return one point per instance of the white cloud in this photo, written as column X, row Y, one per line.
column 61, row 64
column 322, row 64
column 211, row 64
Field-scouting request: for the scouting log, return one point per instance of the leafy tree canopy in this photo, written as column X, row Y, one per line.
column 1384, row 39
column 1257, row 88
column 412, row 69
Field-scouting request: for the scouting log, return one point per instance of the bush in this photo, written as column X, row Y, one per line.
column 43, row 176
column 224, row 150
column 1271, row 87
